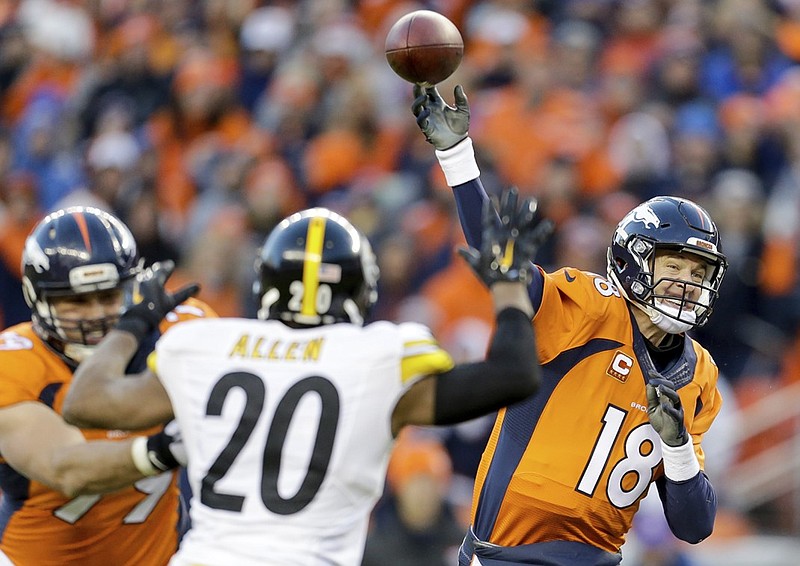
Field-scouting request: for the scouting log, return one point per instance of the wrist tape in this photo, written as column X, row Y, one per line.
column 458, row 163
column 680, row 462
column 141, row 458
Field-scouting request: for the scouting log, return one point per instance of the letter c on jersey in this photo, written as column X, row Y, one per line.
column 620, row 367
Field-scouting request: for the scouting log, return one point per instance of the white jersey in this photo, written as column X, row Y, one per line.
column 287, row 432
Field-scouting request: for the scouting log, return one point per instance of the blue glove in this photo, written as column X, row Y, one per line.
column 666, row 412
column 508, row 246
column 144, row 316
column 444, row 126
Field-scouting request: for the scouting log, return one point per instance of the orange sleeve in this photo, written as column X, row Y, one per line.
column 188, row 310
column 22, row 375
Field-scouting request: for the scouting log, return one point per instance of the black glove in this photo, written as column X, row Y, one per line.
column 509, row 245
column 666, row 412
column 444, row 126
column 165, row 449
column 154, row 302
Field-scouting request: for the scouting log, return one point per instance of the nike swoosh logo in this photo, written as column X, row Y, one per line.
column 569, row 277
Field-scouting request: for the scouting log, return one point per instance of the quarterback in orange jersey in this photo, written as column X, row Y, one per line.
column 79, row 265
column 626, row 395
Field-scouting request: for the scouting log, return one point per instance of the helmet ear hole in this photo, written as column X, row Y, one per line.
column 28, row 292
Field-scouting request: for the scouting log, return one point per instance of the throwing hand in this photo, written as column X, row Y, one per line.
column 444, row 126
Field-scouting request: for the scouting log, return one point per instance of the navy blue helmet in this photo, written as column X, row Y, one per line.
column 70, row 252
column 666, row 223
column 316, row 268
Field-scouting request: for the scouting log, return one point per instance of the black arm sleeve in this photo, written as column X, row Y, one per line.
column 509, row 374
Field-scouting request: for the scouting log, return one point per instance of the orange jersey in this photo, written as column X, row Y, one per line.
column 573, row 462
column 136, row 526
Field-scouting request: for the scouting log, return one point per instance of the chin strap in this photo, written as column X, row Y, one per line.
column 78, row 352
column 669, row 323
column 663, row 322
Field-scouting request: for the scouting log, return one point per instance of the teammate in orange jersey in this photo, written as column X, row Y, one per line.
column 78, row 266
column 626, row 395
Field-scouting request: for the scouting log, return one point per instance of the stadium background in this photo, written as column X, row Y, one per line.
column 202, row 122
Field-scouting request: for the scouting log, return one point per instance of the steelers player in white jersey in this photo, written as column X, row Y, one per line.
column 288, row 421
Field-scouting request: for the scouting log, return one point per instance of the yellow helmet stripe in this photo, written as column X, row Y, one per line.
column 313, row 257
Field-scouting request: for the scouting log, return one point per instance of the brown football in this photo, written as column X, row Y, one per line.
column 424, row 47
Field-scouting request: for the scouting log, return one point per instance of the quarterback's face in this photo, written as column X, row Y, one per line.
column 684, row 274
column 84, row 318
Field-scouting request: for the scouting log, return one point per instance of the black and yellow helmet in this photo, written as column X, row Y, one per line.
column 316, row 268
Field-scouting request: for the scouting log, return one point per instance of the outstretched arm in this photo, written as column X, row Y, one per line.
column 510, row 372
column 470, row 199
column 96, row 467
column 62, row 459
column 447, row 129
column 101, row 395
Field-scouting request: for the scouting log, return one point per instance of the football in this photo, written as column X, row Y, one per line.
column 424, row 47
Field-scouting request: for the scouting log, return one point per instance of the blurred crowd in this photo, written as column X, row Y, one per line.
column 201, row 123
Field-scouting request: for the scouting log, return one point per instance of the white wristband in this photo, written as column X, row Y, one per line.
column 680, row 462
column 140, row 458
column 458, row 163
